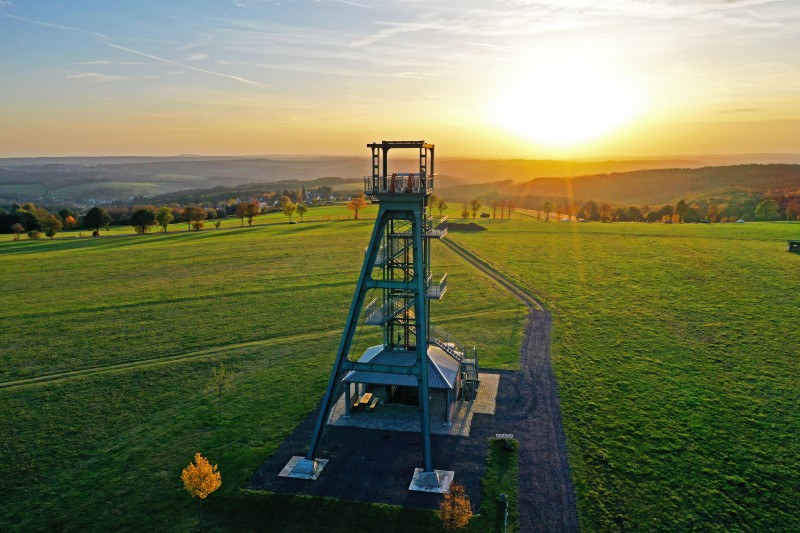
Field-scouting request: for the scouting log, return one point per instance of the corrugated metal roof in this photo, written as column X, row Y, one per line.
column 380, row 378
column 442, row 368
column 445, row 369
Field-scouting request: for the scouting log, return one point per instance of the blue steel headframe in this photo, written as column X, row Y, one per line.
column 393, row 206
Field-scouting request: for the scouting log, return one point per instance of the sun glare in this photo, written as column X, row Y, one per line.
column 565, row 101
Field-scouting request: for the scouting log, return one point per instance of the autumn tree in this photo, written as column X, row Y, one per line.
column 194, row 217
column 590, row 211
column 96, row 218
column 221, row 380
column 302, row 209
column 494, row 204
column 289, row 209
column 241, row 211
column 680, row 209
column 164, row 216
column 633, row 214
column 188, row 215
column 464, row 211
column 52, row 225
column 573, row 211
column 712, row 213
column 547, row 207
column 474, row 207
column 201, row 479
column 65, row 213
column 455, row 509
column 357, row 203
column 68, row 218
column 605, row 212
column 441, row 206
column 16, row 229
column 509, row 208
column 142, row 219
column 767, row 209
column 253, row 210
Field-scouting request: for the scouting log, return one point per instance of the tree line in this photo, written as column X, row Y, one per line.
column 784, row 208
column 36, row 221
column 501, row 207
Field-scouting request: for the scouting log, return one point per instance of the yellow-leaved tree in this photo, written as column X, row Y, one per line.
column 357, row 203
column 201, row 479
column 456, row 509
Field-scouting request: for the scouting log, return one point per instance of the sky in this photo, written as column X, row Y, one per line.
column 479, row 78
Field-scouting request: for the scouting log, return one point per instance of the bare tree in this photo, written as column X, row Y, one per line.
column 16, row 229
column 221, row 380
column 547, row 208
column 441, row 206
column 474, row 207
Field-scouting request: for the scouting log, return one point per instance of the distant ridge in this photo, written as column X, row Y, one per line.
column 656, row 186
column 82, row 181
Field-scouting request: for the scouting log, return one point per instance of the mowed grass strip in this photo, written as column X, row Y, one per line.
column 120, row 300
column 102, row 446
column 676, row 359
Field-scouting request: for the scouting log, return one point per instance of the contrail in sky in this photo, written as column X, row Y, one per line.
column 106, row 40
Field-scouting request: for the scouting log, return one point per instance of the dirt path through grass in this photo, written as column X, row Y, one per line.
column 546, row 495
column 159, row 360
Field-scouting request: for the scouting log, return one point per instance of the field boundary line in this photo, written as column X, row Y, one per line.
column 153, row 361
column 492, row 273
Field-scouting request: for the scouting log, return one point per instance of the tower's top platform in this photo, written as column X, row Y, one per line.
column 381, row 183
column 400, row 144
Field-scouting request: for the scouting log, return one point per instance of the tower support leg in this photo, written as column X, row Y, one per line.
column 308, row 468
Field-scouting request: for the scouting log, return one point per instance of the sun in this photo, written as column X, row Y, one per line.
column 565, row 101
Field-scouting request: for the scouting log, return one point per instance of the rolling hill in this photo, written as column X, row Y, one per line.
column 656, row 186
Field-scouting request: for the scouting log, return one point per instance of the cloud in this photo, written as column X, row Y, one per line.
column 197, row 57
column 351, row 4
column 410, row 75
column 108, row 41
column 393, row 29
column 5, row 3
column 95, row 77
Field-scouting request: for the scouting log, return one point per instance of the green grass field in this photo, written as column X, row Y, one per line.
column 107, row 345
column 675, row 350
column 673, row 347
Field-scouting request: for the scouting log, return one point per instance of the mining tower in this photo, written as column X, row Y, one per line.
column 393, row 292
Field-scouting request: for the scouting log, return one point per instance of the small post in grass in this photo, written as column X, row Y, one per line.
column 503, row 500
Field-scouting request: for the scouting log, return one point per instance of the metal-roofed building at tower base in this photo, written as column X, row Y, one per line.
column 417, row 363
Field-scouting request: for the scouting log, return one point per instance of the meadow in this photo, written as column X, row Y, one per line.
column 108, row 345
column 672, row 345
column 675, row 352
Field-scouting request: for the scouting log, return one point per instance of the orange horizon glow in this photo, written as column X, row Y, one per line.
column 546, row 80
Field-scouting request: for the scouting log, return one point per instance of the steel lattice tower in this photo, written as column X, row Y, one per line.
column 396, row 267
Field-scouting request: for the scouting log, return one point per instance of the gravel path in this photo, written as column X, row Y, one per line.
column 531, row 412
